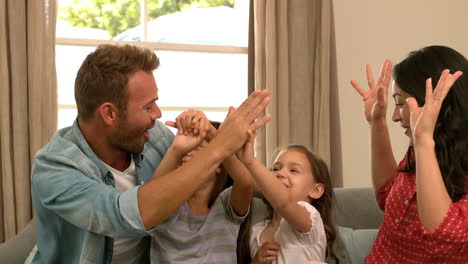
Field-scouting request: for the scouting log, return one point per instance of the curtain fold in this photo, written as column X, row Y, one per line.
column 28, row 102
column 293, row 49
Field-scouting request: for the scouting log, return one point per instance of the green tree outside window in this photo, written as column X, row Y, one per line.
column 117, row 16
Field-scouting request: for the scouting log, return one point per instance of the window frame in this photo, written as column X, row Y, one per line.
column 154, row 46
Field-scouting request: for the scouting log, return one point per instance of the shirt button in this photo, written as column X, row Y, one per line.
column 406, row 202
column 397, row 220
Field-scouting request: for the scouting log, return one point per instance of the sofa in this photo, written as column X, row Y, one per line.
column 357, row 219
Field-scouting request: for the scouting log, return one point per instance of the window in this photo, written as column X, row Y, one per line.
column 202, row 46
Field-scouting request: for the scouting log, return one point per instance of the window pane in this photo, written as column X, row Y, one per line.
column 184, row 79
column 194, row 79
column 66, row 117
column 222, row 22
column 68, row 60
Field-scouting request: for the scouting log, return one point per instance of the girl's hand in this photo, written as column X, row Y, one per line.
column 267, row 253
column 376, row 97
column 423, row 119
column 246, row 153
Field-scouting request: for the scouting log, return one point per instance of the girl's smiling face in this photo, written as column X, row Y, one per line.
column 294, row 170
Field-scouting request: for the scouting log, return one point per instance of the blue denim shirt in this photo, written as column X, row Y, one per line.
column 79, row 211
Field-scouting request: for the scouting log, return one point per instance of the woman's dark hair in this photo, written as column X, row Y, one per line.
column 324, row 204
column 451, row 141
column 223, row 179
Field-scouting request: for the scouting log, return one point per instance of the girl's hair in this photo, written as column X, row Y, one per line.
column 223, row 179
column 324, row 205
column 451, row 142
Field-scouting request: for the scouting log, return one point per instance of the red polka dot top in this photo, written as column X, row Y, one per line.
column 403, row 239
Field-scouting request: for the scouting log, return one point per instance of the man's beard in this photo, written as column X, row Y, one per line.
column 128, row 140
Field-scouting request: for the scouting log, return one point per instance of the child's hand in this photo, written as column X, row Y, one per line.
column 192, row 127
column 267, row 253
column 246, row 153
column 183, row 144
column 191, row 121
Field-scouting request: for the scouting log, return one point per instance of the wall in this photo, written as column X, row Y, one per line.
column 369, row 31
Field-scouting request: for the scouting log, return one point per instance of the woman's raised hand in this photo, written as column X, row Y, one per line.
column 376, row 97
column 423, row 119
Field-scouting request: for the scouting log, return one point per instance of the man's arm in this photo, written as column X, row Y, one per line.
column 161, row 197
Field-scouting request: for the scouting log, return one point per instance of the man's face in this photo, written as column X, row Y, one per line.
column 131, row 131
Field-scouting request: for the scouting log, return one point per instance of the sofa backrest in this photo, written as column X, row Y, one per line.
column 355, row 208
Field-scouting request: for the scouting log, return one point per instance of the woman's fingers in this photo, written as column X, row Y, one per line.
column 438, row 92
column 381, row 96
column 370, row 76
column 387, row 74
column 444, row 85
column 358, row 88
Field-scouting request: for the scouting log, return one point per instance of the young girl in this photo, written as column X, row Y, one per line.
column 205, row 228
column 425, row 197
column 299, row 190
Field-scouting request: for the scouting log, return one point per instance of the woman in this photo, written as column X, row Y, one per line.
column 424, row 198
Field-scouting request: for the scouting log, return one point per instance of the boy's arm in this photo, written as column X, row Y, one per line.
column 181, row 145
column 243, row 186
column 191, row 127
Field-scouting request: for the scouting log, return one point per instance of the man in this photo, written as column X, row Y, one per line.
column 91, row 184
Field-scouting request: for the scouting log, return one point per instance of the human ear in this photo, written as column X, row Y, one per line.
column 107, row 112
column 317, row 191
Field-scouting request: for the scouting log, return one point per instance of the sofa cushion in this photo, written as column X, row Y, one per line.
column 355, row 244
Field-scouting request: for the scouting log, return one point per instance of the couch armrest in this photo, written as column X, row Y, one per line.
column 17, row 249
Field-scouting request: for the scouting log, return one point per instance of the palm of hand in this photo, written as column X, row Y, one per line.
column 375, row 98
column 371, row 109
column 246, row 153
column 423, row 119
